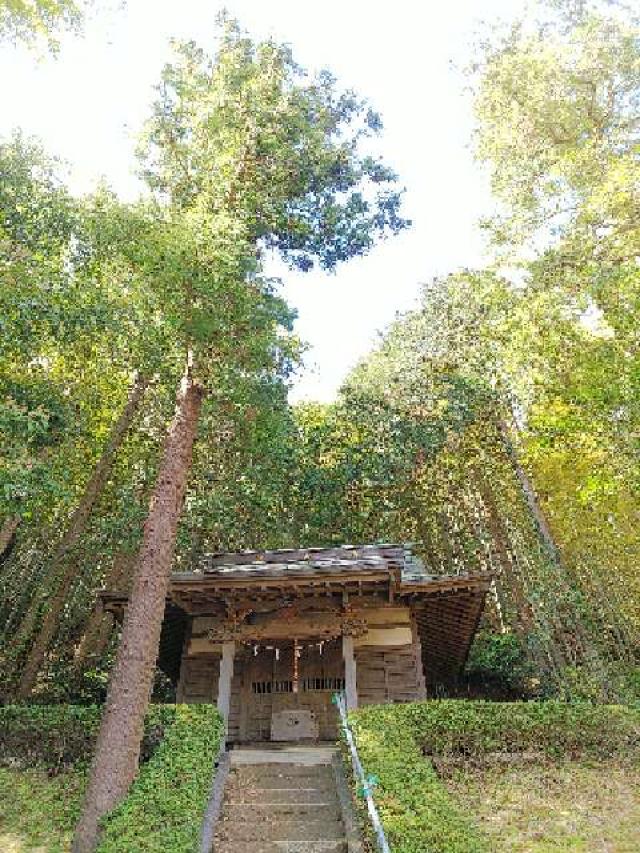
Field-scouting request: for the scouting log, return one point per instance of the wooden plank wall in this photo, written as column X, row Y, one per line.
column 199, row 679
column 389, row 674
column 235, row 699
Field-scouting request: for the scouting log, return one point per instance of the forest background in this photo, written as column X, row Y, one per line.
column 495, row 426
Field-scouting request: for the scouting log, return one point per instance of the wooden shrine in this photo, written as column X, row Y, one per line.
column 270, row 636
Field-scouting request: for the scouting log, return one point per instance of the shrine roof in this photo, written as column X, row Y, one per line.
column 310, row 561
column 446, row 608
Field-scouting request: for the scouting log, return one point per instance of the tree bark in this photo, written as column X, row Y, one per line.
column 7, row 532
column 522, row 617
column 74, row 530
column 571, row 635
column 99, row 625
column 117, row 752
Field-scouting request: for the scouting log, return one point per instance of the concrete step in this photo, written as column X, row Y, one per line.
column 283, row 847
column 301, row 755
column 259, row 812
column 301, row 770
column 279, row 781
column 281, row 806
column 266, row 787
column 277, row 830
column 293, row 794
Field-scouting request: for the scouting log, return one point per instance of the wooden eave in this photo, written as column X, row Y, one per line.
column 213, row 587
column 197, row 593
column 447, row 622
column 444, row 583
column 446, row 609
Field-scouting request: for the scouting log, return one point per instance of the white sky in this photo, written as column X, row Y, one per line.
column 88, row 105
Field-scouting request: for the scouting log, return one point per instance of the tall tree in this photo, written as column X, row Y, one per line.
column 252, row 155
column 60, row 563
column 70, row 341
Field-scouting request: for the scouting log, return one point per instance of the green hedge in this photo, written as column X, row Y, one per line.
column 556, row 728
column 165, row 806
column 57, row 736
column 418, row 813
column 166, row 803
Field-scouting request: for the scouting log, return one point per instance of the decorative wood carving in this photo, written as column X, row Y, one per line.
column 353, row 623
column 295, row 620
column 227, row 632
column 354, row 626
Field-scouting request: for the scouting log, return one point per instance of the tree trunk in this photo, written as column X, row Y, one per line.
column 98, row 628
column 529, row 493
column 571, row 634
column 115, row 762
column 522, row 616
column 7, row 532
column 75, row 529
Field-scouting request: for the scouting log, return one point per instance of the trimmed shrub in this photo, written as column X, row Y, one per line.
column 416, row 810
column 166, row 804
column 559, row 729
column 57, row 736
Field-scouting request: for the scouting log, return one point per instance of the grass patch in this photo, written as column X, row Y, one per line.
column 39, row 811
column 548, row 808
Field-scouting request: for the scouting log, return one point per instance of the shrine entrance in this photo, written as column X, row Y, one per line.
column 287, row 690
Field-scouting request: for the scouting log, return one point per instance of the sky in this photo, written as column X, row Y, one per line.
column 88, row 104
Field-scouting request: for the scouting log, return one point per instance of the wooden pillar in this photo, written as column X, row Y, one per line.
column 350, row 688
column 224, row 682
column 421, row 683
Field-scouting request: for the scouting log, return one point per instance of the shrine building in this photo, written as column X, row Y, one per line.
column 270, row 636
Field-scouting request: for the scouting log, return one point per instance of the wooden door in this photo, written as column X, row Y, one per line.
column 274, row 684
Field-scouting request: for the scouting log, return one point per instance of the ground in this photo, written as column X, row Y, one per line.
column 540, row 807
column 547, row 808
column 38, row 811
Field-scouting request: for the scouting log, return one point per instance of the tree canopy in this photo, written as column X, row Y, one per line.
column 30, row 21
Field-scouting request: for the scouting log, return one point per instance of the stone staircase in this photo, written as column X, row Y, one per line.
column 289, row 800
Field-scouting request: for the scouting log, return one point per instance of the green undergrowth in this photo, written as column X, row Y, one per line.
column 166, row 803
column 46, row 751
column 396, row 742
column 547, row 806
column 38, row 811
column 54, row 737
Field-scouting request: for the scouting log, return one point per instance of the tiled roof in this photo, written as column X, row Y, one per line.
column 305, row 561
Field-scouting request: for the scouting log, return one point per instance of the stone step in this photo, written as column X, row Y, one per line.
column 278, row 830
column 319, row 770
column 279, row 781
column 294, row 794
column 278, row 806
column 282, row 847
column 267, row 812
column 301, row 755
